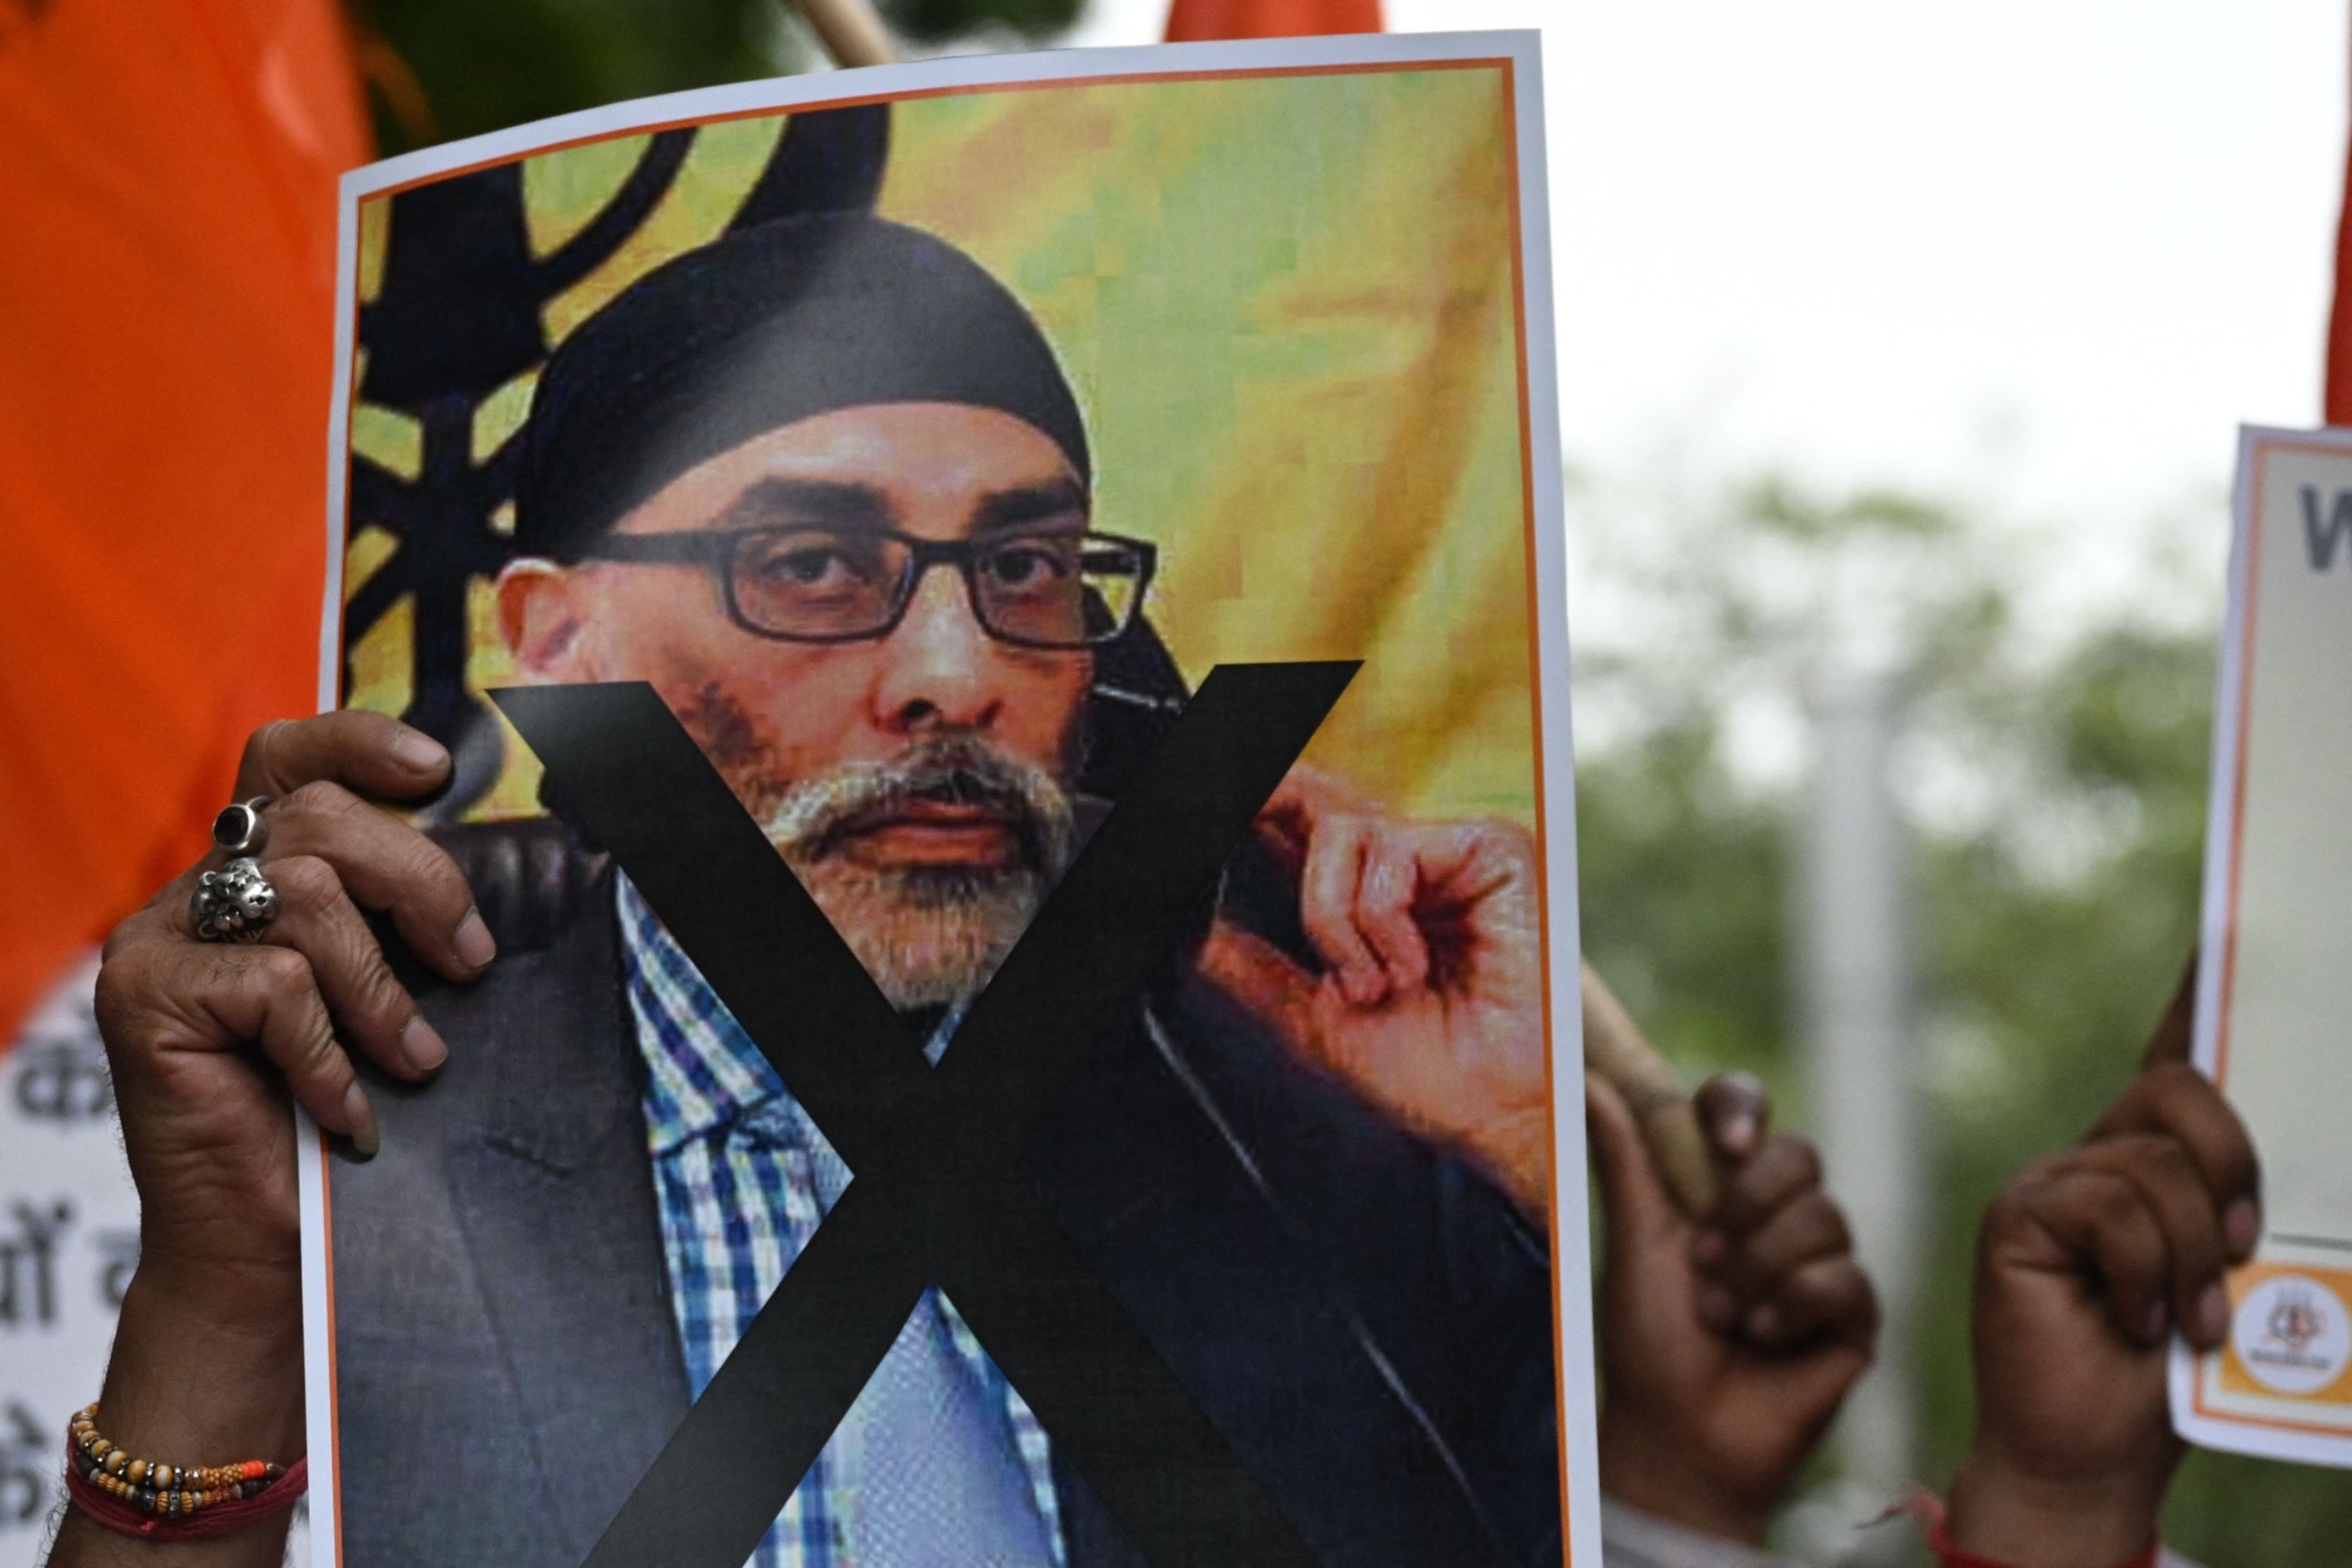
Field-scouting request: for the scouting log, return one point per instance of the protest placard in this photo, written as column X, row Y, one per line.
column 2274, row 993
column 1000, row 624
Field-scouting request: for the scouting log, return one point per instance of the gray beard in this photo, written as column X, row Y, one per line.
column 931, row 936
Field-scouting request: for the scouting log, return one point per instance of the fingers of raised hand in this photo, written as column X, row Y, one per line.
column 1827, row 1299
column 1782, row 1169
column 272, row 998
column 1303, row 799
column 2169, row 1190
column 317, row 920
column 1384, row 908
column 1327, row 907
column 1734, row 1110
column 1264, row 979
column 157, row 999
column 1779, row 1259
column 374, row 754
column 1750, row 1263
column 2176, row 1101
column 1639, row 1213
column 2174, row 1190
column 2103, row 1222
column 385, row 864
column 1376, row 892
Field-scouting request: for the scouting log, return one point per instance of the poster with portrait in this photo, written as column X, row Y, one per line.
column 1000, row 626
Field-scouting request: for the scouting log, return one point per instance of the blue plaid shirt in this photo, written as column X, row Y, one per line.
column 743, row 1177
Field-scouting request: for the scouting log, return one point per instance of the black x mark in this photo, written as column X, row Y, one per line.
column 937, row 1198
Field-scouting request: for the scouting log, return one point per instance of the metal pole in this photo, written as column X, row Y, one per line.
column 1854, row 984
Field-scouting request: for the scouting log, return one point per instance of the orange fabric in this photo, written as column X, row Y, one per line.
column 2338, row 391
column 1191, row 21
column 166, row 352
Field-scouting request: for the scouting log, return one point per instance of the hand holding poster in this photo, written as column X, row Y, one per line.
column 1000, row 626
column 2273, row 992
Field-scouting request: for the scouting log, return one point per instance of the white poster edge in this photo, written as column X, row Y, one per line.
column 1546, row 474
column 313, row 1150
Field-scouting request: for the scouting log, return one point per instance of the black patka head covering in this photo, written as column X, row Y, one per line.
column 758, row 330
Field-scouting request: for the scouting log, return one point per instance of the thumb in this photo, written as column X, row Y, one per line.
column 1262, row 978
column 1735, row 1111
column 1641, row 1214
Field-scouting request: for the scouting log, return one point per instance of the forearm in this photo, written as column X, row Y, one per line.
column 1665, row 1474
column 2003, row 1511
column 1634, row 1536
column 206, row 1370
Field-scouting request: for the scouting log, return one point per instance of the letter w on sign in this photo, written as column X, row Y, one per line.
column 2322, row 540
column 936, row 1198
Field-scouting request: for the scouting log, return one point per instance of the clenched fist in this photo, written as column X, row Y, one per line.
column 2086, row 1265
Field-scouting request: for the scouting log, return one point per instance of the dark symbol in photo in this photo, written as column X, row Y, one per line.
column 936, row 1197
column 2295, row 1322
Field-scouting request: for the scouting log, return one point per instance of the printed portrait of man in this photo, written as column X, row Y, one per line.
column 824, row 483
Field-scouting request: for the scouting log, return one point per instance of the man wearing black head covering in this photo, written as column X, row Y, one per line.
column 767, row 328
column 823, row 485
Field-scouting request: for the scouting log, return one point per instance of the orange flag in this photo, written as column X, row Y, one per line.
column 2338, row 390
column 1191, row 21
column 166, row 306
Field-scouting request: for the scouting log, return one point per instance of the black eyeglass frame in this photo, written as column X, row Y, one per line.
column 717, row 549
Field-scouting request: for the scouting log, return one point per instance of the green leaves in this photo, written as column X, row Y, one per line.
column 483, row 65
column 2052, row 761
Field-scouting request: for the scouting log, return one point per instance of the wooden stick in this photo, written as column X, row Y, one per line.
column 1615, row 1049
column 851, row 31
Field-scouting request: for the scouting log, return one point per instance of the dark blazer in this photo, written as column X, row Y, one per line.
column 1367, row 1321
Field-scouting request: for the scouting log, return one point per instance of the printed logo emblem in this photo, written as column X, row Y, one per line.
column 2292, row 1334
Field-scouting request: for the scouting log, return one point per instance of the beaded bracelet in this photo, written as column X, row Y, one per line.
column 142, row 1497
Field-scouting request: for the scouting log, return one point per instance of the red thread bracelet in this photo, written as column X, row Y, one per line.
column 1952, row 1556
column 221, row 1518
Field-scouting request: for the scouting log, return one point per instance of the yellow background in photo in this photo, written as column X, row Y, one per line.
column 1289, row 306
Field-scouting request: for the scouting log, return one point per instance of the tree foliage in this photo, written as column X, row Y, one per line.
column 457, row 68
column 2055, row 783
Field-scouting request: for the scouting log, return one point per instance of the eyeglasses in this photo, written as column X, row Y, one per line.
column 1039, row 589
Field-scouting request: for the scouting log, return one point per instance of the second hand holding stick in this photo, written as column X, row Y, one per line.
column 1615, row 1048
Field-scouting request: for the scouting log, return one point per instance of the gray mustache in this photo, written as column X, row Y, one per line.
column 817, row 814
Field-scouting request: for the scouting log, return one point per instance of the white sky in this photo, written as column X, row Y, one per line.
column 2051, row 252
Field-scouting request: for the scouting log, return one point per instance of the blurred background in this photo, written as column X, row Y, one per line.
column 1901, row 352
